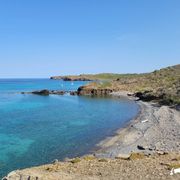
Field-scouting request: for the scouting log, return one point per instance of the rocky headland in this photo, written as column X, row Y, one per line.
column 161, row 86
column 72, row 78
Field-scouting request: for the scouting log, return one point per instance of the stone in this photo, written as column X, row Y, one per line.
column 161, row 152
column 123, row 156
column 55, row 161
column 140, row 147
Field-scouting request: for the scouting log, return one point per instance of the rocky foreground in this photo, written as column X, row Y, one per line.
column 136, row 166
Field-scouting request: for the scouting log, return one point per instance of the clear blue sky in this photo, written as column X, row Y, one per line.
column 41, row 38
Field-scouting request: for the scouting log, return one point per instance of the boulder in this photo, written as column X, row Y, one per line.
column 123, row 156
column 140, row 147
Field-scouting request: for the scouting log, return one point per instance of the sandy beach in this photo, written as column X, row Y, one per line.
column 155, row 129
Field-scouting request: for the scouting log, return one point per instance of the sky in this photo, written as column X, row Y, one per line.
column 42, row 38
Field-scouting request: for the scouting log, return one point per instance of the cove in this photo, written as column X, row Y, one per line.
column 35, row 130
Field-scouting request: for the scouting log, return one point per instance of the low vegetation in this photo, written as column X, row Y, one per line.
column 161, row 85
column 138, row 167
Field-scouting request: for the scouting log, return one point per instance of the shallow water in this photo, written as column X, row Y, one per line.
column 38, row 129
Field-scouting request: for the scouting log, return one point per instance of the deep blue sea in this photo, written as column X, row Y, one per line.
column 35, row 130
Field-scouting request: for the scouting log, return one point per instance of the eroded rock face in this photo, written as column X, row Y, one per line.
column 75, row 79
column 93, row 92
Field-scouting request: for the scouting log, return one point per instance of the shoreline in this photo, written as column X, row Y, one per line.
column 154, row 129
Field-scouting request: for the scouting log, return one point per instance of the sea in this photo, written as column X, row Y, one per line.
column 36, row 130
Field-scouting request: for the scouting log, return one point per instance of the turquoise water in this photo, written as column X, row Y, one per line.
column 38, row 129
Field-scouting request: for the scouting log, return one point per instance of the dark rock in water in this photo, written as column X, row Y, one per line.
column 44, row 92
column 58, row 92
column 73, row 93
